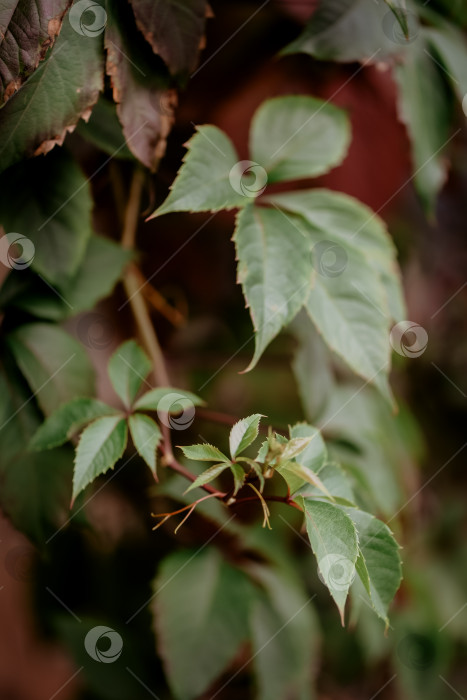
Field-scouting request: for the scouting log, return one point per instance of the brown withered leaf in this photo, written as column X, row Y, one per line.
column 174, row 28
column 27, row 29
column 145, row 103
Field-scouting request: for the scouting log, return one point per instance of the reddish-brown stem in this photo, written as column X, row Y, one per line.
column 276, row 499
column 180, row 469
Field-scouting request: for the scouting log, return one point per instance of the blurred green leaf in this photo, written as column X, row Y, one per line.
column 146, row 436
column 128, row 368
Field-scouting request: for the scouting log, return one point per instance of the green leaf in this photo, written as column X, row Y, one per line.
column 284, row 636
column 257, row 470
column 140, row 86
column 335, row 481
column 128, row 368
column 146, row 436
column 450, row 47
column 315, row 453
column 333, row 538
column 349, row 311
column 243, row 433
column 294, row 447
column 54, row 364
column 208, row 475
column 174, row 29
column 400, row 13
column 274, row 269
column 203, row 182
column 340, row 219
column 21, row 50
column 58, row 216
column 296, row 475
column 239, row 476
column 426, row 110
column 70, row 79
column 298, row 136
column 102, row 266
column 200, row 634
column 100, row 446
column 204, row 453
column 348, row 31
column 67, row 420
column 35, row 488
column 167, row 400
column 380, row 552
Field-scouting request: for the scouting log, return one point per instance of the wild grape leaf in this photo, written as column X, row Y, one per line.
column 167, row 400
column 426, row 110
column 333, row 539
column 67, row 420
column 204, row 453
column 174, row 28
column 349, row 30
column 62, row 89
column 298, row 136
column 128, row 368
column 34, row 488
column 146, row 436
column 204, row 180
column 274, row 269
column 58, row 216
column 380, row 552
column 243, row 433
column 101, row 268
column 100, row 446
column 27, row 30
column 336, row 218
column 198, row 635
column 145, row 104
column 54, row 364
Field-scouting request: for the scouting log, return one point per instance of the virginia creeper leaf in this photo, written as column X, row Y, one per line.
column 69, row 79
column 274, row 269
column 198, row 641
column 239, row 476
column 204, row 452
column 298, row 136
column 204, row 180
column 174, row 28
column 67, row 420
column 146, row 436
column 334, row 542
column 54, row 364
column 100, row 446
column 243, row 433
column 315, row 453
column 208, row 475
column 128, row 368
